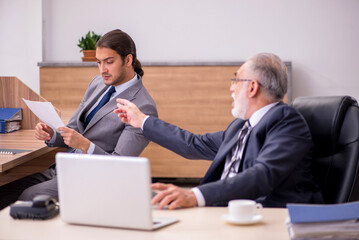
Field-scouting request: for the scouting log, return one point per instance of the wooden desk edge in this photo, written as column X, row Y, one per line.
column 26, row 156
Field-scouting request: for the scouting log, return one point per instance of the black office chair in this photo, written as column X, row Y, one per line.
column 334, row 124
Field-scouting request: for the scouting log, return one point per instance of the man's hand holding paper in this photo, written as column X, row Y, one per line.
column 43, row 132
column 46, row 112
column 74, row 139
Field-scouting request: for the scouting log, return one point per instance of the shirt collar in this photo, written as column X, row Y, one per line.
column 122, row 87
column 257, row 115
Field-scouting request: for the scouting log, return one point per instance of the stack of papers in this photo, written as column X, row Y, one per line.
column 319, row 221
column 10, row 126
column 10, row 119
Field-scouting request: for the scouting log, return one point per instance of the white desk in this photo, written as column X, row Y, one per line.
column 195, row 223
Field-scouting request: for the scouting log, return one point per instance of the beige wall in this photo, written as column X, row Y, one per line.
column 21, row 40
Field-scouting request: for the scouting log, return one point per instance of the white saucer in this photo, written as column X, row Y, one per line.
column 255, row 219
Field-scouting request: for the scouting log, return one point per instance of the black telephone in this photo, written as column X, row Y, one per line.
column 41, row 207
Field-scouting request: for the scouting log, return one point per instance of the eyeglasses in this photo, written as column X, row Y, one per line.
column 235, row 80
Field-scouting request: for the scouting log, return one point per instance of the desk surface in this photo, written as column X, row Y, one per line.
column 22, row 139
column 195, row 223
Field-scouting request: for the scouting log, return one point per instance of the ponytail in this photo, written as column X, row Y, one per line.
column 138, row 67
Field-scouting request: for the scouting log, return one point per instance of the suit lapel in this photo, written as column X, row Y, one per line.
column 215, row 170
column 108, row 108
column 228, row 144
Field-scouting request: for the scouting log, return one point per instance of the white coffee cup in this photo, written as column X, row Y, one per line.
column 243, row 209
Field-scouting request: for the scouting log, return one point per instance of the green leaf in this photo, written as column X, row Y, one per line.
column 88, row 42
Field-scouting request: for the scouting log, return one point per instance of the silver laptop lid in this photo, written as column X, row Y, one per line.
column 104, row 190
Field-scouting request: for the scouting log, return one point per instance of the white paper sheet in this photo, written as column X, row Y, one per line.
column 46, row 112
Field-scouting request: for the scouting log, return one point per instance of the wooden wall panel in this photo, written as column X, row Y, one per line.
column 195, row 98
column 65, row 86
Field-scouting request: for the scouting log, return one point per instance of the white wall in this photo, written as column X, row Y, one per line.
column 21, row 40
column 319, row 37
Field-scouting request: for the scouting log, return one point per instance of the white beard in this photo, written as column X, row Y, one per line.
column 240, row 107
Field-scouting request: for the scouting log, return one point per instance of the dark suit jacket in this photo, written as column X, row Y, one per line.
column 109, row 134
column 276, row 162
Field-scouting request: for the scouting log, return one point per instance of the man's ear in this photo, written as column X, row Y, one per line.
column 129, row 60
column 253, row 88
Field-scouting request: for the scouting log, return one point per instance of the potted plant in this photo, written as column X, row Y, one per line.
column 87, row 45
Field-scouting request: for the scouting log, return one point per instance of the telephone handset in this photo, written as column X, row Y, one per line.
column 41, row 207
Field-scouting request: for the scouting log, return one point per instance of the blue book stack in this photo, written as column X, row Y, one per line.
column 10, row 119
column 323, row 221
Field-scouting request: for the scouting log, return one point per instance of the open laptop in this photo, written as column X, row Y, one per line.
column 104, row 190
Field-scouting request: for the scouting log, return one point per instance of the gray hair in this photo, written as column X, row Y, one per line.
column 271, row 72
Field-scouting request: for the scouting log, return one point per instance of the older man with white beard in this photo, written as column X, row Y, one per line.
column 264, row 154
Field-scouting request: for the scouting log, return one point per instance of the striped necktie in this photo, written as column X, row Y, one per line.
column 239, row 147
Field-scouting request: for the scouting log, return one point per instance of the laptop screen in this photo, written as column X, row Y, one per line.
column 104, row 190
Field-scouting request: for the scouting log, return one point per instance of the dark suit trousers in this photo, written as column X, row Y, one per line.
column 26, row 188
